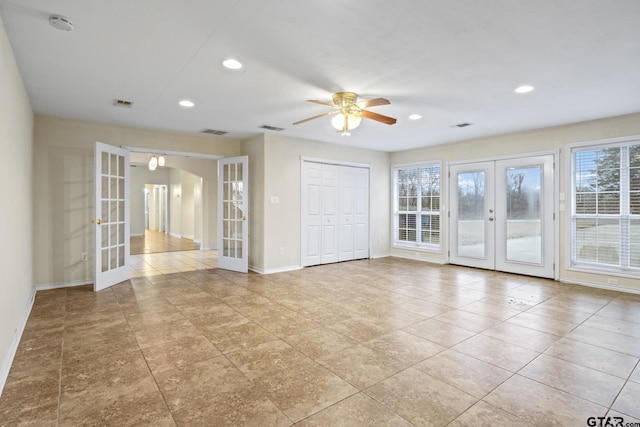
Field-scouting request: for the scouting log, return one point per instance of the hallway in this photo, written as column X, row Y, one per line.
column 158, row 253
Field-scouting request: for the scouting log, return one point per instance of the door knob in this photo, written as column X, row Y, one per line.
column 99, row 221
column 490, row 218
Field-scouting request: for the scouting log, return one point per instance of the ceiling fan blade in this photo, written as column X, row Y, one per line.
column 378, row 117
column 373, row 102
column 315, row 101
column 328, row 113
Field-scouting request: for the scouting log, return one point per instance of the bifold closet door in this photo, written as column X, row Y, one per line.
column 335, row 213
column 354, row 213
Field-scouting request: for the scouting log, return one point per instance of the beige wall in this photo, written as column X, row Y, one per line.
column 547, row 139
column 282, row 178
column 16, row 208
column 64, row 187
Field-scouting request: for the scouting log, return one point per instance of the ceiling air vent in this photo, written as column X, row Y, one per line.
column 213, row 132
column 267, row 127
column 462, row 125
column 122, row 103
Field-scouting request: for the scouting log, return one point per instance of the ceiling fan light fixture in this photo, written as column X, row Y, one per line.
column 345, row 122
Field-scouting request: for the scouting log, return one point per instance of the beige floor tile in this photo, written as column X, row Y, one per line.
column 467, row 373
column 80, row 360
column 362, row 366
column 192, row 386
column 467, row 320
column 404, row 347
column 542, row 405
column 421, row 399
column 635, row 376
column 488, row 309
column 319, row 342
column 424, row 308
column 497, row 352
column 303, row 389
column 580, row 381
column 618, row 417
column 361, row 329
column 627, row 401
column 238, row 336
column 137, row 404
column 611, row 324
column 542, row 323
column 243, row 407
column 157, row 334
column 441, row 333
column 590, row 356
column 179, row 353
column 524, row 337
column 358, row 410
column 611, row 340
column 260, row 359
column 484, row 415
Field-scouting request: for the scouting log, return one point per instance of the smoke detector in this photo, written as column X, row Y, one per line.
column 60, row 23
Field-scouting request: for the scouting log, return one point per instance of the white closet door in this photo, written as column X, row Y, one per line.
column 361, row 214
column 347, row 212
column 311, row 212
column 335, row 213
column 329, row 243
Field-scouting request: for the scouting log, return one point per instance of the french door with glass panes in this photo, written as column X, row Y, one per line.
column 233, row 210
column 501, row 215
column 111, row 215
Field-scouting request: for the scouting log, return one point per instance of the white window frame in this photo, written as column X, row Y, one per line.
column 625, row 217
column 418, row 245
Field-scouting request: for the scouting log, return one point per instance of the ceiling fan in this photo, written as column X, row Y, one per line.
column 350, row 111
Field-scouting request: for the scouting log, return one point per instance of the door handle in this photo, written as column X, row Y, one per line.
column 490, row 218
column 99, row 221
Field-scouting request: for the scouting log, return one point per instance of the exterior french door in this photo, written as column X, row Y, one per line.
column 501, row 215
column 233, row 210
column 112, row 216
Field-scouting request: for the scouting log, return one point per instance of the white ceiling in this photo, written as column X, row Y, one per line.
column 451, row 61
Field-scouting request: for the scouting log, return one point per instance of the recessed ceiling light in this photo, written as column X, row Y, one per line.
column 524, row 89
column 415, row 117
column 186, row 103
column 232, row 64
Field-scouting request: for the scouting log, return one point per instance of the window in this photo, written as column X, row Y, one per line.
column 605, row 220
column 417, row 206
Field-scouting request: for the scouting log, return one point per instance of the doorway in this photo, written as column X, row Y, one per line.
column 502, row 215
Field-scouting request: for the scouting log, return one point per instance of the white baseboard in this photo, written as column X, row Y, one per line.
column 418, row 258
column 136, row 235
column 188, row 236
column 212, row 248
column 376, row 256
column 179, row 236
column 275, row 270
column 13, row 347
column 601, row 286
column 63, row 285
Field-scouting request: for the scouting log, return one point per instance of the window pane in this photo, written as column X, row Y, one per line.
column 418, row 197
column 598, row 240
column 634, row 243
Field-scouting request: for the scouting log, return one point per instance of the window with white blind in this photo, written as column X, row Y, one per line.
column 605, row 220
column 417, row 206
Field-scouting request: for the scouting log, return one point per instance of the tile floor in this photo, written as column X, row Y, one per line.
column 154, row 264
column 385, row 342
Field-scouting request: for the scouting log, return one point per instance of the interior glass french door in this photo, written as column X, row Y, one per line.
column 233, row 207
column 112, row 215
column 502, row 215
